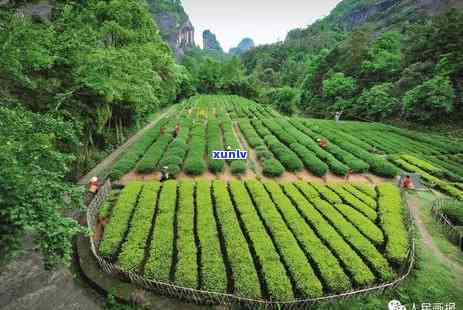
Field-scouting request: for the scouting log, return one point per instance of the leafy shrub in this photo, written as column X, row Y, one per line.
column 279, row 288
column 186, row 268
column 368, row 200
column 454, row 213
column 356, row 239
column 287, row 157
column 161, row 251
column 194, row 164
column 354, row 201
column 213, row 275
column 116, row 228
column 311, row 162
column 391, row 211
column 360, row 272
column 298, row 266
column 214, row 143
column 129, row 158
column 238, row 167
column 327, row 264
column 133, row 250
column 239, row 256
column 272, row 168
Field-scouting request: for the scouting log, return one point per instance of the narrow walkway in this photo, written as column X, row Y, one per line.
column 108, row 161
column 414, row 205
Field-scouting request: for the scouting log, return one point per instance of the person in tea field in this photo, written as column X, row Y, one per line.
column 164, row 173
column 162, row 131
column 92, row 189
column 323, row 143
column 348, row 175
column 407, row 183
column 176, row 130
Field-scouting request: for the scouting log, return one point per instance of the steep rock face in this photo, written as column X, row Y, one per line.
column 210, row 42
column 245, row 45
column 174, row 24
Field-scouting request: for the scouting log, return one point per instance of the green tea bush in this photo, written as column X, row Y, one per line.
column 186, row 268
column 129, row 158
column 287, row 157
column 272, row 168
column 194, row 164
column 214, row 143
column 298, row 266
column 133, row 250
column 363, row 224
column 363, row 246
column 454, row 213
column 327, row 264
column 371, row 202
column 246, row 281
column 361, row 274
column 366, row 189
column 153, row 155
column 278, row 284
column 115, row 230
column 238, row 167
column 311, row 162
column 354, row 201
column 162, row 245
column 391, row 218
column 327, row 193
column 212, row 268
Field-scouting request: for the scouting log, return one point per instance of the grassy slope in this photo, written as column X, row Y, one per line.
column 430, row 282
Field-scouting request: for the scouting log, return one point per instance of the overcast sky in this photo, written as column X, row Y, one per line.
column 265, row 21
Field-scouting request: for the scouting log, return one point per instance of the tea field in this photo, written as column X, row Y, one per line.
column 279, row 145
column 260, row 240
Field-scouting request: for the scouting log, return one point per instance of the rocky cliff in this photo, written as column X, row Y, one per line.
column 174, row 24
column 245, row 45
column 210, row 42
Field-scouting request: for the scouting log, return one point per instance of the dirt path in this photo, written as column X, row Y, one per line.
column 108, row 161
column 414, row 205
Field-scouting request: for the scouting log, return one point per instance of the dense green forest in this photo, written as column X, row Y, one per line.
column 72, row 87
column 413, row 71
column 75, row 84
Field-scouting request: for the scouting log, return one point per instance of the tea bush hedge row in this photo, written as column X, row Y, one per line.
column 378, row 165
column 186, row 269
column 362, row 223
column 214, row 143
column 129, row 158
column 153, row 155
column 391, row 216
column 277, row 283
column 298, row 266
column 115, row 230
column 354, row 201
column 161, row 249
column 363, row 246
column 194, row 163
column 245, row 278
column 300, row 132
column 368, row 200
column 366, row 189
column 326, row 263
column 287, row 157
column 212, row 266
column 237, row 166
column 175, row 153
column 327, row 193
column 309, row 191
column 360, row 272
column 133, row 250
